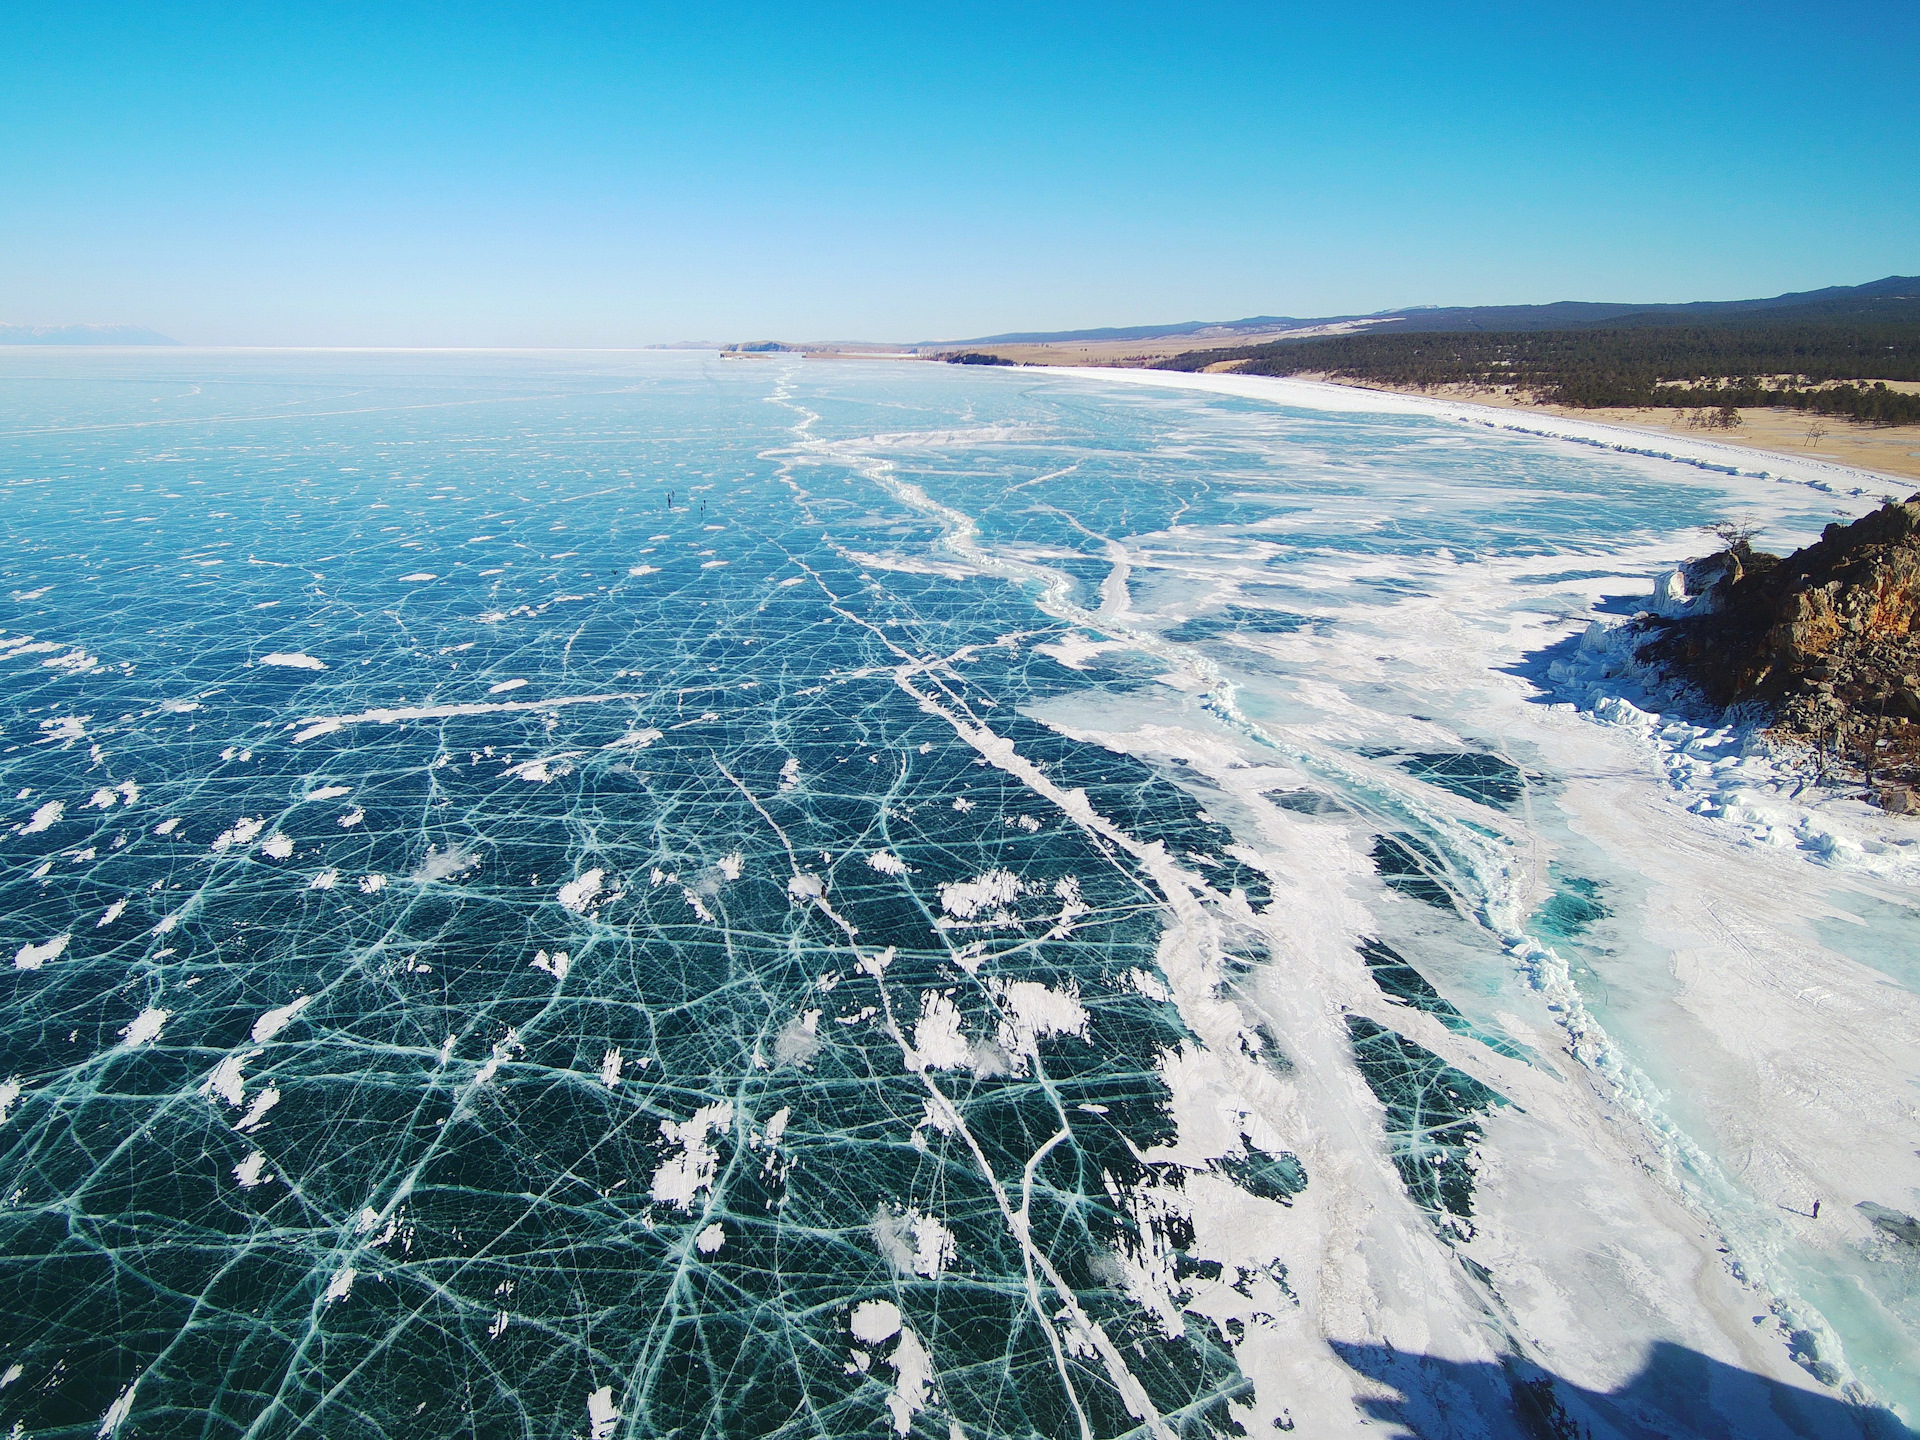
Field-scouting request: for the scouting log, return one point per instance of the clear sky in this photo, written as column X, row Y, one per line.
column 562, row 174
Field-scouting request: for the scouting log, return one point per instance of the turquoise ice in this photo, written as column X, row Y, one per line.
column 643, row 895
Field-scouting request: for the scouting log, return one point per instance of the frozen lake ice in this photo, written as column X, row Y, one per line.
column 608, row 894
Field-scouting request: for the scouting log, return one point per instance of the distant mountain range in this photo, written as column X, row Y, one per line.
column 81, row 335
column 1896, row 297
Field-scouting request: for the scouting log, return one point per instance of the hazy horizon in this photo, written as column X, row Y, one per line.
column 715, row 342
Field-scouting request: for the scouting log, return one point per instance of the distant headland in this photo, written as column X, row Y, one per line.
column 82, row 335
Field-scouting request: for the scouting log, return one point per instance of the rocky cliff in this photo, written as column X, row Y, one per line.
column 1827, row 639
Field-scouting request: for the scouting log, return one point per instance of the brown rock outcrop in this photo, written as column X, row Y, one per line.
column 1827, row 639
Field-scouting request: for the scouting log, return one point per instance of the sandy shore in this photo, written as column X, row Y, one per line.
column 1890, row 452
column 1887, row 450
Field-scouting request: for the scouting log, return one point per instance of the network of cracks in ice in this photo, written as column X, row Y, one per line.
column 451, row 1142
column 487, row 965
column 516, row 928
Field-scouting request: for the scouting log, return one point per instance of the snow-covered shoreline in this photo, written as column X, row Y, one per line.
column 1743, row 780
column 1706, row 454
column 1727, row 1035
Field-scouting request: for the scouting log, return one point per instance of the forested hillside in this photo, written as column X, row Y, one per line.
column 1829, row 366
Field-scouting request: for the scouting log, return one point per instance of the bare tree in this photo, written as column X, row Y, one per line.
column 1735, row 534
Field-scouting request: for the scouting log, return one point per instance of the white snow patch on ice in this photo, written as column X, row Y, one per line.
column 315, row 726
column 42, row 819
column 1149, row 985
column 32, row 957
column 440, row 864
column 546, row 769
column 504, row 1049
column 777, row 1126
column 293, row 660
column 1072, row 906
column 937, row 1041
column 1032, row 1012
column 913, row 1243
column 144, row 1028
column 116, row 1415
column 681, row 1177
column 242, row 833
column 64, row 729
column 634, row 740
column 578, row 895
column 798, row 1041
column 227, row 1082
column 911, row 565
column 602, row 1415
column 913, row 1379
column 875, row 1321
column 257, row 1112
column 274, row 1021
column 1074, row 650
column 966, row 898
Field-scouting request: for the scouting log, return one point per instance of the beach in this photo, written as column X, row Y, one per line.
column 1850, row 459
column 1892, row 450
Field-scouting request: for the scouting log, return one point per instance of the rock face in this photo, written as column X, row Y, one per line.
column 1828, row 639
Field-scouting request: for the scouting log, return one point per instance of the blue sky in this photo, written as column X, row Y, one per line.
column 583, row 174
